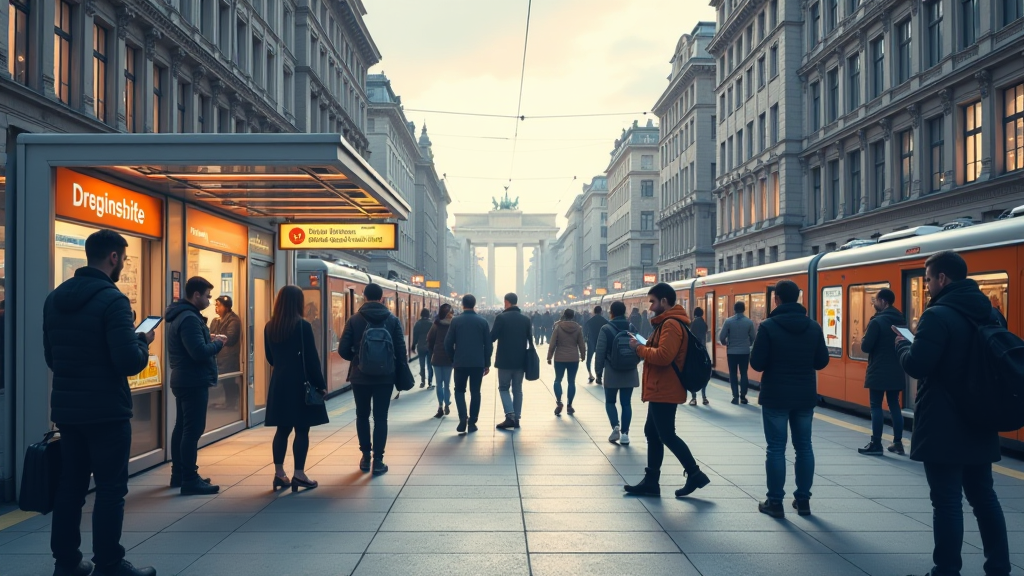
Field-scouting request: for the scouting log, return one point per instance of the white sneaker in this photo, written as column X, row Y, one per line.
column 624, row 439
column 615, row 435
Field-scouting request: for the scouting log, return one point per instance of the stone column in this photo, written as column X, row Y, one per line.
column 490, row 274
column 519, row 269
column 920, row 151
column 948, row 135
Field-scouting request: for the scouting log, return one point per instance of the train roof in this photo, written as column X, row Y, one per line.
column 764, row 271
column 1009, row 231
column 344, row 272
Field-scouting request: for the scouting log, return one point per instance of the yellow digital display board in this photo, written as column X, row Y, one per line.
column 338, row 236
column 433, row 283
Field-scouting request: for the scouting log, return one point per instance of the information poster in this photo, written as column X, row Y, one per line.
column 832, row 319
column 149, row 377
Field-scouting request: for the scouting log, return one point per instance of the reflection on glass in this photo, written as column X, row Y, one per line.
column 721, row 313
column 997, row 288
column 916, row 299
column 709, row 308
column 312, row 315
column 261, row 307
column 860, row 313
column 756, row 310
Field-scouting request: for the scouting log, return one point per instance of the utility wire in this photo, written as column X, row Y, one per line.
column 522, row 81
column 524, row 117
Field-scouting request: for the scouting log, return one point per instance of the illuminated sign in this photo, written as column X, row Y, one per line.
column 586, row 291
column 914, row 250
column 417, row 279
column 702, row 272
column 617, row 285
column 93, row 201
column 208, row 231
column 650, row 278
column 338, row 236
column 602, row 291
column 433, row 283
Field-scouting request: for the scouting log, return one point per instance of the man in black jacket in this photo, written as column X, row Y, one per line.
column 592, row 330
column 957, row 457
column 468, row 344
column 788, row 349
column 419, row 344
column 192, row 353
column 512, row 331
column 372, row 393
column 90, row 344
column 228, row 324
column 885, row 377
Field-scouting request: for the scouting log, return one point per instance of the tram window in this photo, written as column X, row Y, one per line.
column 756, row 309
column 996, row 287
column 357, row 300
column 709, row 302
column 312, row 315
column 721, row 313
column 832, row 319
column 862, row 298
column 338, row 306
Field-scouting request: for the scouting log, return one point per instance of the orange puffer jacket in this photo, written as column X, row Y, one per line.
column 666, row 345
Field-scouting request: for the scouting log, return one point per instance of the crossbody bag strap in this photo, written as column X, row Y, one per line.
column 302, row 352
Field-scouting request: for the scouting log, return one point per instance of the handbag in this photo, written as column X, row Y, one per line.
column 404, row 380
column 41, row 474
column 314, row 397
column 532, row 363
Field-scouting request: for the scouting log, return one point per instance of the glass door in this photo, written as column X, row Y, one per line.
column 711, row 319
column 915, row 299
column 259, row 312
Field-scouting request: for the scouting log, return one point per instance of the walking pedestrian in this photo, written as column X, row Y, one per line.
column 737, row 336
column 699, row 329
column 568, row 349
column 419, row 344
column 192, row 353
column 663, row 392
column 228, row 324
column 637, row 320
column 957, row 456
column 468, row 344
column 440, row 360
column 616, row 368
column 549, row 323
column 291, row 349
column 788, row 349
column 374, row 344
column 885, row 377
column 512, row 331
column 90, row 344
column 592, row 329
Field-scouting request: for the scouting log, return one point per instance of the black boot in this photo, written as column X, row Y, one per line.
column 508, row 424
column 694, row 481
column 648, row 486
column 379, row 467
column 772, row 508
column 364, row 462
column 176, row 480
column 198, row 487
column 872, row 449
column 84, row 568
column 803, row 507
column 123, row 568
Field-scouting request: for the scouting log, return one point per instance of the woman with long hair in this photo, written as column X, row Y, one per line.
column 439, row 359
column 291, row 350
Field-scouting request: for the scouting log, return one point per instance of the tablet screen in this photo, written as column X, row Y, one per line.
column 148, row 324
column 905, row 332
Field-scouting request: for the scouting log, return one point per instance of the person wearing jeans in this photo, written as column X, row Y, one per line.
column 592, row 329
column 468, row 344
column 375, row 398
column 567, row 348
column 885, row 377
column 788, row 350
column 439, row 360
column 422, row 350
column 737, row 335
column 617, row 383
column 513, row 331
column 561, row 370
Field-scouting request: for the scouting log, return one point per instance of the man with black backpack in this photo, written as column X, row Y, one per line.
column 369, row 343
column 957, row 451
column 615, row 365
column 664, row 356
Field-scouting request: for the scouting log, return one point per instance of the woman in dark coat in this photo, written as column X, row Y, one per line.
column 439, row 359
column 288, row 340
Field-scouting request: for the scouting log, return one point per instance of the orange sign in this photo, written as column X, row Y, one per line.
column 208, row 231
column 702, row 272
column 650, row 278
column 93, row 201
column 433, row 283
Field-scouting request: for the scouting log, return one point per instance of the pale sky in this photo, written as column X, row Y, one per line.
column 584, row 57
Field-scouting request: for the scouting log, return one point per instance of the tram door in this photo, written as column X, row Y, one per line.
column 915, row 299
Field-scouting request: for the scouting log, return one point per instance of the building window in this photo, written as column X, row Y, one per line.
column 729, row 101
column 853, row 96
column 935, row 138
column 604, row 231
column 17, row 41
column 833, row 95
column 158, row 98
column 906, row 163
column 750, row 139
column 852, row 6
column 714, row 130
column 934, row 13
column 903, row 60
column 739, row 146
column 182, row 108
column 833, row 189
column 815, row 25
column 968, row 22
column 775, row 123
column 877, row 67
column 816, row 192
column 62, row 50
column 201, row 111
column 1012, row 10
column 750, row 82
column 761, row 78
column 647, row 254
column 129, row 88
column 776, row 204
column 832, row 14
column 762, row 129
column 853, row 161
column 773, row 13
column 647, row 188
column 99, row 72
column 647, row 162
column 878, row 176
column 729, row 150
column 1013, row 126
column 647, row 221
column 761, row 26
column 739, row 93
column 721, row 105
column 972, row 142
column 773, row 69
column 603, row 253
column 815, row 106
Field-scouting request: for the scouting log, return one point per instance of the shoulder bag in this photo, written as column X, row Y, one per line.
column 41, row 474
column 314, row 397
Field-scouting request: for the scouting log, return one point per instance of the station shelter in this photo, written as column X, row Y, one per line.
column 189, row 205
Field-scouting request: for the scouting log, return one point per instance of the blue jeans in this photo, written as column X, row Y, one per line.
column 443, row 377
column 948, row 483
column 511, row 402
column 560, row 370
column 426, row 367
column 624, row 395
column 775, row 424
column 878, row 417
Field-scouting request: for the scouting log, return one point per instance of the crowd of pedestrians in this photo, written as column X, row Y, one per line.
column 92, row 347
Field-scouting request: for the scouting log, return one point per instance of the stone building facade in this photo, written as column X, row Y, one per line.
column 431, row 217
column 633, row 177
column 594, row 257
column 687, row 118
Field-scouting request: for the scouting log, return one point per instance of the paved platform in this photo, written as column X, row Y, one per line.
column 546, row 500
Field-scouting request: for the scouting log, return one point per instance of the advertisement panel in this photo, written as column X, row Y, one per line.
column 338, row 236
column 93, row 201
column 832, row 319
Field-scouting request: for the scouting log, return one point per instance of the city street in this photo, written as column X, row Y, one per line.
column 544, row 500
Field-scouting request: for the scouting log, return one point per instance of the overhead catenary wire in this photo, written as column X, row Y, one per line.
column 522, row 82
column 523, row 117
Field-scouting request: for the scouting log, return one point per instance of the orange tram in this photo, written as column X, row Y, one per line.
column 837, row 288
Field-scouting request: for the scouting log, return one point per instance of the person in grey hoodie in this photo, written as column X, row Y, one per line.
column 738, row 336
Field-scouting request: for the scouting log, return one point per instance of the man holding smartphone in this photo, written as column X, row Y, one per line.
column 192, row 353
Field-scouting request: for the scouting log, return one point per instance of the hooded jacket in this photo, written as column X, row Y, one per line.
column 468, row 341
column 566, row 344
column 419, row 336
column 737, row 334
column 940, row 359
column 191, row 352
column 90, row 344
column 435, row 342
column 592, row 328
column 352, row 337
column 884, row 370
column 608, row 376
column 667, row 345
column 788, row 349
column 513, row 331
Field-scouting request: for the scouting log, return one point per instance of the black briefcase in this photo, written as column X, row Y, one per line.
column 532, row 364
column 41, row 474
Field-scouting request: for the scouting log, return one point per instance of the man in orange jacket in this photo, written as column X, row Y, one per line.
column 663, row 392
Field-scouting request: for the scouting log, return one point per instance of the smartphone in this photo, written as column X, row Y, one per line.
column 639, row 338
column 905, row 332
column 149, row 324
